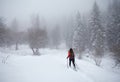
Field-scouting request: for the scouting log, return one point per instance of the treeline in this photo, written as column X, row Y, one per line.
column 98, row 32
column 37, row 35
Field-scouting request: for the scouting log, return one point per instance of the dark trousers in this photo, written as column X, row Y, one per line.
column 73, row 61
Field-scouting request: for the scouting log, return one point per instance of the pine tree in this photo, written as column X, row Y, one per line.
column 79, row 36
column 113, row 29
column 97, row 34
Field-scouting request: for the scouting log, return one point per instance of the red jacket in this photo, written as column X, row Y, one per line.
column 70, row 55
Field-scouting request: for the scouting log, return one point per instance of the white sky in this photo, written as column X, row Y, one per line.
column 23, row 9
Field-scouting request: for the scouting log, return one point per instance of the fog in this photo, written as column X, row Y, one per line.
column 48, row 10
column 88, row 26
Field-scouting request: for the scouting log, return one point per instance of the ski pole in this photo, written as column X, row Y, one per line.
column 67, row 63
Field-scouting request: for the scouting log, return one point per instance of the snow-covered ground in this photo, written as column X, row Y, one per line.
column 51, row 66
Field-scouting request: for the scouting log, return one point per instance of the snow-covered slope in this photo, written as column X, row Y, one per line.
column 51, row 66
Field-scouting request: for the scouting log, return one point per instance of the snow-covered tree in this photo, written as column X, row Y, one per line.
column 79, row 38
column 37, row 37
column 5, row 34
column 113, row 28
column 97, row 34
column 2, row 33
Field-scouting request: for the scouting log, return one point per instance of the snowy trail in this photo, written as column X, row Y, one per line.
column 52, row 68
column 36, row 69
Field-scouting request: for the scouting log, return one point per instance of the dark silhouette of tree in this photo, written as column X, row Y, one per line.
column 37, row 37
column 113, row 29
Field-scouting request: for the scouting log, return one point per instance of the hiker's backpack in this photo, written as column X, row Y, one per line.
column 71, row 55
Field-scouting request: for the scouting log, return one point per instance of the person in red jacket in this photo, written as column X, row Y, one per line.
column 71, row 57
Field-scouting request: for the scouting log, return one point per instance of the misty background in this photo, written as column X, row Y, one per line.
column 90, row 26
column 50, row 11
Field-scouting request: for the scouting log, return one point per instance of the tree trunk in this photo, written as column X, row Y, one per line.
column 33, row 51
